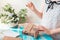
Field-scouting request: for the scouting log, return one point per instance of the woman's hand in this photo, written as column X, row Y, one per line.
column 31, row 6
column 43, row 29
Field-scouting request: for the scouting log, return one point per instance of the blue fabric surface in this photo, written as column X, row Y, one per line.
column 27, row 37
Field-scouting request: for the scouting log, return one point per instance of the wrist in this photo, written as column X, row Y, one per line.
column 52, row 31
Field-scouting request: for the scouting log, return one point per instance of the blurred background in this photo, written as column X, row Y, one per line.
column 18, row 4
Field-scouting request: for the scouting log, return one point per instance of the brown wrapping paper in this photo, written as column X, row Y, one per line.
column 31, row 30
column 11, row 38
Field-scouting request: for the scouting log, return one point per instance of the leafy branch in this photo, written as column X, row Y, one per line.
column 11, row 16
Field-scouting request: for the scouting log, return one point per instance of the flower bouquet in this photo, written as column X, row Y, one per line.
column 10, row 16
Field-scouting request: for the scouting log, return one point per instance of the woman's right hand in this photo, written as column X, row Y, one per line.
column 31, row 6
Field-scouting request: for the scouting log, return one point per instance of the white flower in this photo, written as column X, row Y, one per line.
column 10, row 14
column 22, row 15
column 17, row 18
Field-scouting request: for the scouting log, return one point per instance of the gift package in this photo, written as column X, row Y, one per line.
column 31, row 30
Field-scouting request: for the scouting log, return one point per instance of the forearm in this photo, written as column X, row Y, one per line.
column 40, row 14
column 55, row 30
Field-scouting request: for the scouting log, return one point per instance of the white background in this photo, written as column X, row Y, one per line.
column 18, row 4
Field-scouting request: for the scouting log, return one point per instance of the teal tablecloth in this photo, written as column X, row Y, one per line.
column 27, row 37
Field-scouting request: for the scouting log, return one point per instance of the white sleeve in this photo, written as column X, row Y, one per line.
column 58, row 21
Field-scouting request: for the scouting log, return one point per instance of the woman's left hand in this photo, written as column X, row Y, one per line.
column 43, row 29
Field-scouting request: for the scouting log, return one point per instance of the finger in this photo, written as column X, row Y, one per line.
column 40, row 28
column 29, row 4
column 48, row 32
column 26, row 5
column 44, row 28
column 36, row 34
